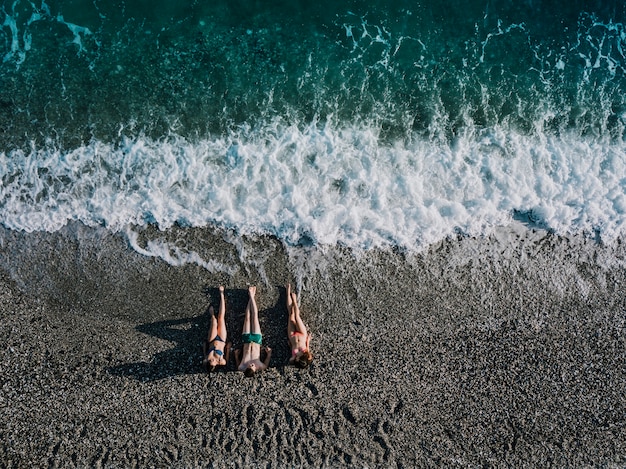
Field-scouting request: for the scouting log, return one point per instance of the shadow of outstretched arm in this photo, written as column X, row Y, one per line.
column 184, row 357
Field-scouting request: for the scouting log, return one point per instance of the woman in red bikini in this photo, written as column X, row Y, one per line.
column 297, row 334
column 216, row 350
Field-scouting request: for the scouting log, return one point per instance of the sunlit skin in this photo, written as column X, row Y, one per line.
column 249, row 358
column 299, row 337
column 216, row 349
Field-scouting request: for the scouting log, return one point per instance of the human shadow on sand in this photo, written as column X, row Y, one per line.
column 189, row 334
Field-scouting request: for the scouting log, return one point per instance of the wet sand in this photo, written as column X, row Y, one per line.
column 503, row 351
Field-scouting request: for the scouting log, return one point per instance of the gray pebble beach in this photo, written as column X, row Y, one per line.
column 508, row 350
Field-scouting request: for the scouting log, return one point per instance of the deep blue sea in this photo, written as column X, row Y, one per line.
column 365, row 124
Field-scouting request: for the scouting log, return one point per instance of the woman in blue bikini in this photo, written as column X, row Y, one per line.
column 297, row 334
column 216, row 350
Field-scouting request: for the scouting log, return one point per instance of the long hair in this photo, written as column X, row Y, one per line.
column 207, row 365
column 304, row 360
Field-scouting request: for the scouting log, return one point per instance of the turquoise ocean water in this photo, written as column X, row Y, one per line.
column 360, row 123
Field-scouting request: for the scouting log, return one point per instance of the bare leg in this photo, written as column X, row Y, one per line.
column 246, row 321
column 288, row 288
column 295, row 313
column 221, row 322
column 255, row 326
column 291, row 324
column 213, row 328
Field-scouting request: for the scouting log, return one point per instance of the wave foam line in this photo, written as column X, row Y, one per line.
column 174, row 255
column 323, row 185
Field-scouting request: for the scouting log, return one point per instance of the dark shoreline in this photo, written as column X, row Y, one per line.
column 506, row 350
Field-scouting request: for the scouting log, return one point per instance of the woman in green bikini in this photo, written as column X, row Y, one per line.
column 248, row 359
column 297, row 334
column 216, row 350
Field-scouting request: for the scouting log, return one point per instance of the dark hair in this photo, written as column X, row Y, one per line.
column 249, row 372
column 304, row 359
column 207, row 365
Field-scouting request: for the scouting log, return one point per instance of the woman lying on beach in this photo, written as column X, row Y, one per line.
column 216, row 350
column 297, row 334
column 252, row 340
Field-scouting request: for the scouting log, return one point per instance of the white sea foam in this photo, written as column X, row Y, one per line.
column 323, row 185
column 16, row 50
column 22, row 42
column 175, row 255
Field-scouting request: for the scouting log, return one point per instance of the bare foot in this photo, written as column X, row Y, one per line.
column 291, row 296
column 251, row 291
column 221, row 288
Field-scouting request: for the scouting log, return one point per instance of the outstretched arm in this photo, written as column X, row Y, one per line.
column 227, row 351
column 237, row 357
column 268, row 353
